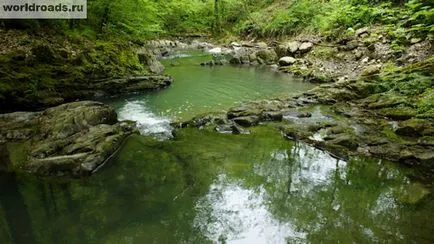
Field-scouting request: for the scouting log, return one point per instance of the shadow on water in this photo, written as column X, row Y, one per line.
column 205, row 187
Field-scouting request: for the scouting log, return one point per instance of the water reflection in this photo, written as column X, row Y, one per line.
column 230, row 213
column 205, row 187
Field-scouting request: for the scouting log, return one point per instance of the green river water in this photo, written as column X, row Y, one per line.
column 205, row 187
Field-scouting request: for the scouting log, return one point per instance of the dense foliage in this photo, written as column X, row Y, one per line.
column 337, row 16
column 271, row 18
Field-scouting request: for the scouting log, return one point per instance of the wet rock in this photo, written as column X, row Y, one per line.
column 272, row 116
column 201, row 121
column 73, row 139
column 287, row 61
column 247, row 121
column 18, row 126
column 231, row 128
column 127, row 85
column 243, row 111
column 304, row 115
column 344, row 140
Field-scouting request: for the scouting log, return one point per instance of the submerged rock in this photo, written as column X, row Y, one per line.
column 72, row 139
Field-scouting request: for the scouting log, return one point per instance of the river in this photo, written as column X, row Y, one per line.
column 206, row 187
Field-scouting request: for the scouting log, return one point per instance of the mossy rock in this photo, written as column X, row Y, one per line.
column 398, row 113
column 267, row 55
column 415, row 127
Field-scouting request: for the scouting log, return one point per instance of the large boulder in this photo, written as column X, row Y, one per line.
column 72, row 139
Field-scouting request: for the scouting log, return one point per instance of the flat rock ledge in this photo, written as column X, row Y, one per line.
column 343, row 129
column 72, row 139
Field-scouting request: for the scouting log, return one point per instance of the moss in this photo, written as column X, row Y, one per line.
column 389, row 133
column 17, row 153
column 399, row 113
column 51, row 74
column 425, row 104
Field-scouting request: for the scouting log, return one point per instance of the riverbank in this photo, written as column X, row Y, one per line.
column 44, row 70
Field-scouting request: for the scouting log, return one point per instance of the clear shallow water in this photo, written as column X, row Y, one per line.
column 198, row 89
column 205, row 187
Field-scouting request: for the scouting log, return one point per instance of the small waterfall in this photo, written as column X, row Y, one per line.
column 147, row 122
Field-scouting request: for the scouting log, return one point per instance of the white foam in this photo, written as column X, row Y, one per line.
column 147, row 122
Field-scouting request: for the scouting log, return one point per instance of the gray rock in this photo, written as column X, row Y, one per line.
column 247, row 121
column 287, row 61
column 261, row 45
column 231, row 128
column 72, row 139
column 305, row 47
column 293, row 47
column 268, row 56
column 241, row 56
column 156, row 67
column 364, row 30
column 272, row 116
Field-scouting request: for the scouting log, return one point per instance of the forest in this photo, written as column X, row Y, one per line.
column 219, row 121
